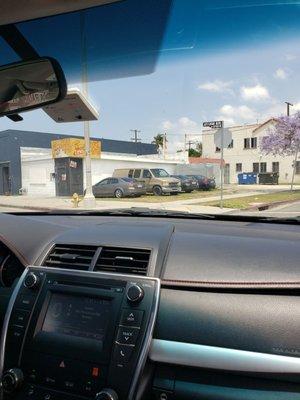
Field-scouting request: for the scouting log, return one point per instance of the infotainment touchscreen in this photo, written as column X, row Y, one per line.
column 84, row 317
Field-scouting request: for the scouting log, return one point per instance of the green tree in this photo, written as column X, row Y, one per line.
column 158, row 140
column 197, row 151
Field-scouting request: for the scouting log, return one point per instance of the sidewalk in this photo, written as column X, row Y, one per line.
column 61, row 203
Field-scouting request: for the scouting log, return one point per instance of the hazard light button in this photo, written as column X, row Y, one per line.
column 132, row 317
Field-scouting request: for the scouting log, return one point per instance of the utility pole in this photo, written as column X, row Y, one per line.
column 222, row 165
column 297, row 150
column 288, row 108
column 164, row 145
column 89, row 199
column 186, row 157
column 135, row 139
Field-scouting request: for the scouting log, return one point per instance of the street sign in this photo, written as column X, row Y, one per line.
column 213, row 124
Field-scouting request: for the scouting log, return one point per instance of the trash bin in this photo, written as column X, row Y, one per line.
column 268, row 178
column 247, row 178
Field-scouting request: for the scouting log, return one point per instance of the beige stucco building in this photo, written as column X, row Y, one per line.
column 242, row 152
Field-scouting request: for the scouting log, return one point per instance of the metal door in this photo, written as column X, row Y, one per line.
column 61, row 181
column 76, row 176
column 6, row 186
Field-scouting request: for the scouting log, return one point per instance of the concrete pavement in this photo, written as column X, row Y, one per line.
column 63, row 203
column 23, row 203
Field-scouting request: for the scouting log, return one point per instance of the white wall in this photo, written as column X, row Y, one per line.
column 104, row 167
column 37, row 166
column 247, row 157
column 209, row 170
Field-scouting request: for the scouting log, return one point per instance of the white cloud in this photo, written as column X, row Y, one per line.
column 216, row 86
column 182, row 124
column 255, row 93
column 232, row 115
column 177, row 129
column 186, row 122
column 295, row 108
column 280, row 73
column 167, row 125
column 290, row 57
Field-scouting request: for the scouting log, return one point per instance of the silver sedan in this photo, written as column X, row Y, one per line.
column 119, row 187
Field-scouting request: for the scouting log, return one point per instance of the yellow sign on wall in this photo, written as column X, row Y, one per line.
column 74, row 147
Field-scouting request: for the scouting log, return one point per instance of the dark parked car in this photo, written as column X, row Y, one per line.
column 119, row 187
column 188, row 184
column 204, row 183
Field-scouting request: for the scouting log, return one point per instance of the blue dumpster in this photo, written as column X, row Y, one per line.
column 247, row 178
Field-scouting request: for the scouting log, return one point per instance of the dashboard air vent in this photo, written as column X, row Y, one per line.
column 71, row 256
column 123, row 260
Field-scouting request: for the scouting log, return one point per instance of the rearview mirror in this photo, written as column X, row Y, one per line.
column 31, row 84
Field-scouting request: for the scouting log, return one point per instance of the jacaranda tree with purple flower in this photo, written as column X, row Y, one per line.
column 284, row 139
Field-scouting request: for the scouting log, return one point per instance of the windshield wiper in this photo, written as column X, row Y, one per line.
column 146, row 212
column 132, row 212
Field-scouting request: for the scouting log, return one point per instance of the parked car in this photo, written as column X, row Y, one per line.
column 119, row 187
column 187, row 184
column 156, row 180
column 204, row 183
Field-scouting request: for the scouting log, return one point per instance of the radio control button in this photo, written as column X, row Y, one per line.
column 132, row 317
column 122, row 354
column 127, row 335
column 16, row 333
column 25, row 301
column 20, row 317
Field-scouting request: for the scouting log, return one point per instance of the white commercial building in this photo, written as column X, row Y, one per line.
column 38, row 168
column 242, row 152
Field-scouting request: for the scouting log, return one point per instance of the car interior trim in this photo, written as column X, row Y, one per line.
column 197, row 355
column 7, row 318
column 229, row 284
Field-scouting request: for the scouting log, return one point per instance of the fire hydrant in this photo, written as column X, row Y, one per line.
column 76, row 200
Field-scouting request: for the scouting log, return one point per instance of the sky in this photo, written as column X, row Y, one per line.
column 239, row 77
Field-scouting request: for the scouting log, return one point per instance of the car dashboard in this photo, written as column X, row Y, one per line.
column 126, row 307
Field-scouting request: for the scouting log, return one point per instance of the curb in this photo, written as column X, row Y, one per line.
column 268, row 206
column 34, row 208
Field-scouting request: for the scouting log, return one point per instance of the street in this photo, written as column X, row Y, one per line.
column 284, row 211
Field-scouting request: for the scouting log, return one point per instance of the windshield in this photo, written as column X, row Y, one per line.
column 189, row 88
column 160, row 173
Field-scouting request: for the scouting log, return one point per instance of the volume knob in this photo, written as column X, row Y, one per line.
column 31, row 281
column 12, row 380
column 106, row 394
column 135, row 294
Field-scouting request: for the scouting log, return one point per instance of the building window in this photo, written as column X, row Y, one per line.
column 253, row 143
column 263, row 167
column 275, row 166
column 218, row 149
column 247, row 143
column 230, row 146
column 238, row 167
column 297, row 168
column 256, row 167
column 250, row 143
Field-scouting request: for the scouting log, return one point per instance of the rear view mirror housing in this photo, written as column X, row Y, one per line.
column 28, row 85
